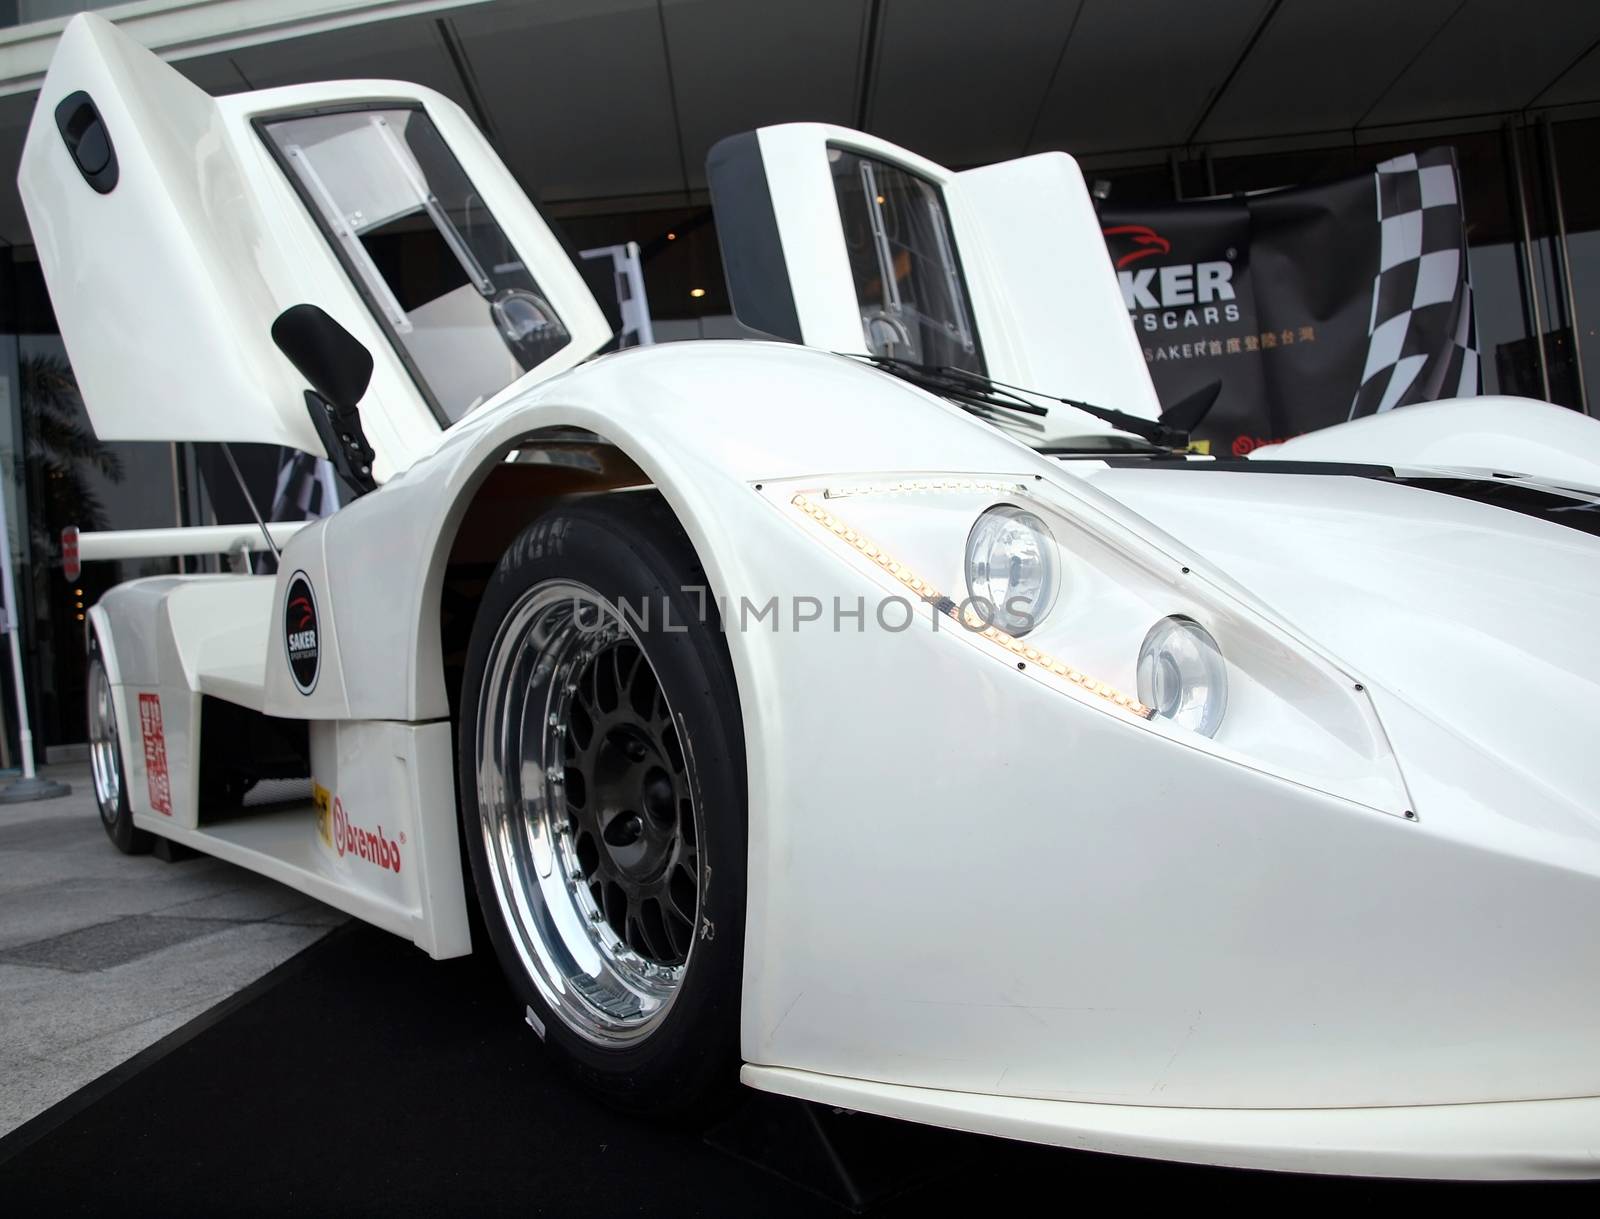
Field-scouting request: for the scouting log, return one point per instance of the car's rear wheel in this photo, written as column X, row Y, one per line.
column 602, row 785
column 105, row 763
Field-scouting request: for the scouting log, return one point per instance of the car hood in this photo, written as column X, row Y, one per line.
column 1478, row 617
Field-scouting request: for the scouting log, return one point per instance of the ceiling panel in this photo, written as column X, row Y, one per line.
column 797, row 62
column 1139, row 75
column 581, row 101
column 1580, row 83
column 215, row 74
column 1320, row 65
column 1494, row 55
column 408, row 49
column 957, row 82
column 577, row 93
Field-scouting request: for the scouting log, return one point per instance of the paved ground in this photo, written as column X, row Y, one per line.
column 102, row 954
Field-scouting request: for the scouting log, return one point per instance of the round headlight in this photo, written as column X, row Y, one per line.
column 1012, row 568
column 1182, row 675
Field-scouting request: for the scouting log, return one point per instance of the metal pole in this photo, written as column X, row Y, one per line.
column 23, row 731
column 1527, row 254
column 1563, row 259
column 177, row 498
column 251, row 500
column 30, row 786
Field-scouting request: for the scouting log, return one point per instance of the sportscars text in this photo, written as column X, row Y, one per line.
column 1181, row 294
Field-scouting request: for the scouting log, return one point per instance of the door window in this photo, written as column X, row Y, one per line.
column 440, row 274
column 903, row 261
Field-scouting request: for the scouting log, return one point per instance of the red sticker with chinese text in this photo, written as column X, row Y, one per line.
column 155, row 754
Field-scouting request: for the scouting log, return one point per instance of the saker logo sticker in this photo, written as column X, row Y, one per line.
column 302, row 636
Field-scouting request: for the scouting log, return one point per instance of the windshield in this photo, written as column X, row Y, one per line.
column 436, row 268
column 907, row 277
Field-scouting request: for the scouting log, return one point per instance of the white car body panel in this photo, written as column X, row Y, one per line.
column 1487, row 435
column 1411, row 562
column 1357, row 931
column 1337, row 904
column 1489, row 1142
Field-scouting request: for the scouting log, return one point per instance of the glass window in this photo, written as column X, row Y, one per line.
column 459, row 304
column 907, row 276
column 1579, row 183
column 681, row 258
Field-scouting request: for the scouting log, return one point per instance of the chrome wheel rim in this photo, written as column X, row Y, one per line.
column 103, row 759
column 588, row 812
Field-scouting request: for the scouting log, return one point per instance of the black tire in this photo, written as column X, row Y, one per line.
column 629, row 546
column 115, row 814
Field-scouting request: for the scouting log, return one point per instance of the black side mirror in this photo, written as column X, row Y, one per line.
column 336, row 363
column 339, row 368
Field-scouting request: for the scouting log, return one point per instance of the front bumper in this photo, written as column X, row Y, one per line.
column 1507, row 1141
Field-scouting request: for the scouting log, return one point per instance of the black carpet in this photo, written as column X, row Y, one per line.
column 363, row 1078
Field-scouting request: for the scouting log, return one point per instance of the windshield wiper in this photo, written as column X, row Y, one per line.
column 1103, row 444
column 976, row 392
column 1155, row 431
column 953, row 383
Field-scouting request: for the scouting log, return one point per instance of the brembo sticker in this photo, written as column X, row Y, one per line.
column 155, row 754
column 369, row 845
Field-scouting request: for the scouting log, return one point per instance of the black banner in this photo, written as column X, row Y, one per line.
column 1310, row 305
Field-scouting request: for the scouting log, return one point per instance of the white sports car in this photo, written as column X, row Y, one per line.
column 928, row 747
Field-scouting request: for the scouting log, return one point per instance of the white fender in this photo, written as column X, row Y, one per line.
column 1505, row 435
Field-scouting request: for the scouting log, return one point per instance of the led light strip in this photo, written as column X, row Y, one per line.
column 970, row 619
column 912, row 486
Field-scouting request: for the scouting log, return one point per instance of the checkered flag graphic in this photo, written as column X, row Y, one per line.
column 1422, row 341
column 305, row 490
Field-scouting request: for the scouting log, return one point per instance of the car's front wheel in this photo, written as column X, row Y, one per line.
column 603, row 799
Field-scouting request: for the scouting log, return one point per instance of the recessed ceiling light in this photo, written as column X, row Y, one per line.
column 697, row 292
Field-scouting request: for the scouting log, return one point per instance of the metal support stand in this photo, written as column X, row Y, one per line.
column 1530, row 277
column 854, row 1160
column 627, row 281
column 30, row 786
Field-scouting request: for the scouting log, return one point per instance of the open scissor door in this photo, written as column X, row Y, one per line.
column 840, row 240
column 174, row 227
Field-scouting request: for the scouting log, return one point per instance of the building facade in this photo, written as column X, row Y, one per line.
column 604, row 109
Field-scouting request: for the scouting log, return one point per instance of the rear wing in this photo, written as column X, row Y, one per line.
column 187, row 541
column 843, row 241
